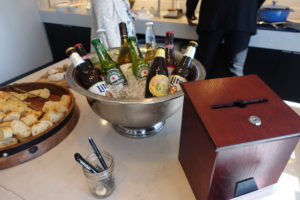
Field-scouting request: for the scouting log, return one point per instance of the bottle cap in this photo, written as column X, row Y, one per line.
column 193, row 43
column 69, row 49
column 148, row 23
column 170, row 32
column 77, row 45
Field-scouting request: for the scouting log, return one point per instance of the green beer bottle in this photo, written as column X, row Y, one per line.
column 111, row 70
column 140, row 66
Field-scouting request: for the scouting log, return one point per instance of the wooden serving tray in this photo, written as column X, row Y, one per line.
column 34, row 146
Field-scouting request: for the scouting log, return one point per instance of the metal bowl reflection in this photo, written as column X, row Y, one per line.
column 136, row 118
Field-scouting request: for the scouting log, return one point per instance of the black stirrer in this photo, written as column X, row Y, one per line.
column 97, row 152
column 85, row 163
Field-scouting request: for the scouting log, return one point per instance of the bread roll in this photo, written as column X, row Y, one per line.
column 29, row 119
column 52, row 116
column 40, row 127
column 65, row 100
column 5, row 133
column 11, row 116
column 8, row 142
column 20, row 129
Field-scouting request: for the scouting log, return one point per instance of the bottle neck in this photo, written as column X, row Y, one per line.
column 190, row 52
column 124, row 39
column 101, row 51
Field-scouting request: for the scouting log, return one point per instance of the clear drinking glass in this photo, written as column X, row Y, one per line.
column 100, row 184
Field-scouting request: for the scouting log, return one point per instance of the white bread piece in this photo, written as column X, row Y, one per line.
column 20, row 129
column 2, row 115
column 52, row 71
column 20, row 96
column 4, row 95
column 52, row 116
column 5, row 124
column 44, row 93
column 40, row 127
column 16, row 105
column 54, row 106
column 8, row 142
column 37, row 113
column 30, row 119
column 65, row 100
column 11, row 116
column 57, row 76
column 5, row 133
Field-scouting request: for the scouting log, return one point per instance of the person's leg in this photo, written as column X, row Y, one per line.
column 236, row 49
column 206, row 52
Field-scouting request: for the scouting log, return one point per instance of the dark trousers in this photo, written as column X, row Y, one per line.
column 235, row 49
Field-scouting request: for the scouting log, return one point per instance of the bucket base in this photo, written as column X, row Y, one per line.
column 139, row 132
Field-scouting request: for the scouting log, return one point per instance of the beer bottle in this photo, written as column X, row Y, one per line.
column 82, row 52
column 140, row 66
column 88, row 78
column 181, row 72
column 111, row 70
column 124, row 56
column 157, row 80
column 150, row 41
column 170, row 58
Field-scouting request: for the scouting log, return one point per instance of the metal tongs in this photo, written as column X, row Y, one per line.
column 239, row 103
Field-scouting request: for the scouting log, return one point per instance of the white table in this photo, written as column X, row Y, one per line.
column 145, row 169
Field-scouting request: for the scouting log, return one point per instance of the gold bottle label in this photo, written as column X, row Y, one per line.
column 175, row 82
column 159, row 85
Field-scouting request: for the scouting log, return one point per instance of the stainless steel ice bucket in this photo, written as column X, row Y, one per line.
column 135, row 117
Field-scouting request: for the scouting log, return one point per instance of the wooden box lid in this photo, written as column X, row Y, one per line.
column 230, row 126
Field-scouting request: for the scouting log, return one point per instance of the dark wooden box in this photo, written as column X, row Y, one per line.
column 219, row 147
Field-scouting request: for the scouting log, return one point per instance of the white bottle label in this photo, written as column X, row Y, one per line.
column 190, row 52
column 101, row 89
column 175, row 82
column 76, row 59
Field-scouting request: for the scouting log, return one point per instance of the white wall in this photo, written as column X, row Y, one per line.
column 23, row 41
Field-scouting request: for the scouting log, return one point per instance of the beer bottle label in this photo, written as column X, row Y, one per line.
column 175, row 82
column 159, row 85
column 100, row 88
column 76, row 59
column 190, row 52
column 114, row 76
column 171, row 68
column 142, row 71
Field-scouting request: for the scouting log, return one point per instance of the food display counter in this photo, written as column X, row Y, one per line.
column 144, row 168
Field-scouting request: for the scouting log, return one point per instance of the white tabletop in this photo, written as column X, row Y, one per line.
column 144, row 168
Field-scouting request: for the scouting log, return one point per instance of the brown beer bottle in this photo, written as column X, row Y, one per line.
column 182, row 72
column 170, row 58
column 82, row 52
column 157, row 80
column 88, row 78
column 124, row 56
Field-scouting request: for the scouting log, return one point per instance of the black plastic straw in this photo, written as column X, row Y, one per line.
column 85, row 163
column 98, row 154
